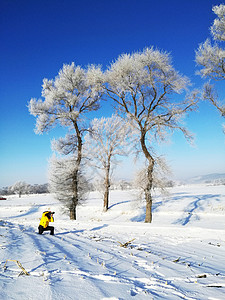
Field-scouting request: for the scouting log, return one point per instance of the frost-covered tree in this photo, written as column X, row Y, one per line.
column 67, row 98
column 106, row 140
column 63, row 182
column 210, row 56
column 20, row 187
column 146, row 89
column 159, row 177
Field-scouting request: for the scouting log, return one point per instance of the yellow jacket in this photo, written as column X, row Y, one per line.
column 45, row 220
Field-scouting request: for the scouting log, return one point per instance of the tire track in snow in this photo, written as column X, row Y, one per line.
column 62, row 256
column 148, row 275
column 187, row 270
column 136, row 286
column 63, row 260
column 16, row 244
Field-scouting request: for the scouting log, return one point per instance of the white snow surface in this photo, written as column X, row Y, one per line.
column 180, row 255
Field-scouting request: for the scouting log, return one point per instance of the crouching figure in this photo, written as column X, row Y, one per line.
column 47, row 217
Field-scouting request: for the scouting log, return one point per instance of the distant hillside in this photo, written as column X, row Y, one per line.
column 216, row 178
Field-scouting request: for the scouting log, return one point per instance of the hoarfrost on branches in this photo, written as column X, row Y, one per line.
column 211, row 57
column 147, row 91
column 107, row 139
column 210, row 93
column 160, row 176
column 218, row 27
column 149, row 96
column 20, row 187
column 63, row 182
column 65, row 145
column 73, row 93
column 108, row 136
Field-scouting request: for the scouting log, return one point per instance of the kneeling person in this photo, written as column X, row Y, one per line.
column 47, row 217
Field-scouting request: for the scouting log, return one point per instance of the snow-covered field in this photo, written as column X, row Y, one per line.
column 181, row 255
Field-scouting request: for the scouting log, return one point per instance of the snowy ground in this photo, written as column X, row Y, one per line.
column 181, row 255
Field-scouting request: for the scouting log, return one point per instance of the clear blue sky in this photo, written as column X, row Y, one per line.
column 38, row 37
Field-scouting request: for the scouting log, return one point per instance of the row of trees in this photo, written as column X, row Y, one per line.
column 150, row 99
column 141, row 85
column 21, row 188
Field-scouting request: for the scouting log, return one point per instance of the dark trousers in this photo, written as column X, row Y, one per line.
column 41, row 229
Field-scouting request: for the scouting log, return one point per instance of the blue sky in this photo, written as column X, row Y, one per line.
column 38, row 37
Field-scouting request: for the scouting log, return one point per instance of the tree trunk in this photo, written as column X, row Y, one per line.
column 148, row 196
column 106, row 200
column 75, row 199
column 107, row 186
column 148, row 188
column 148, row 214
column 73, row 215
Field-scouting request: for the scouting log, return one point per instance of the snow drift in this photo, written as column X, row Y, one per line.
column 115, row 255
